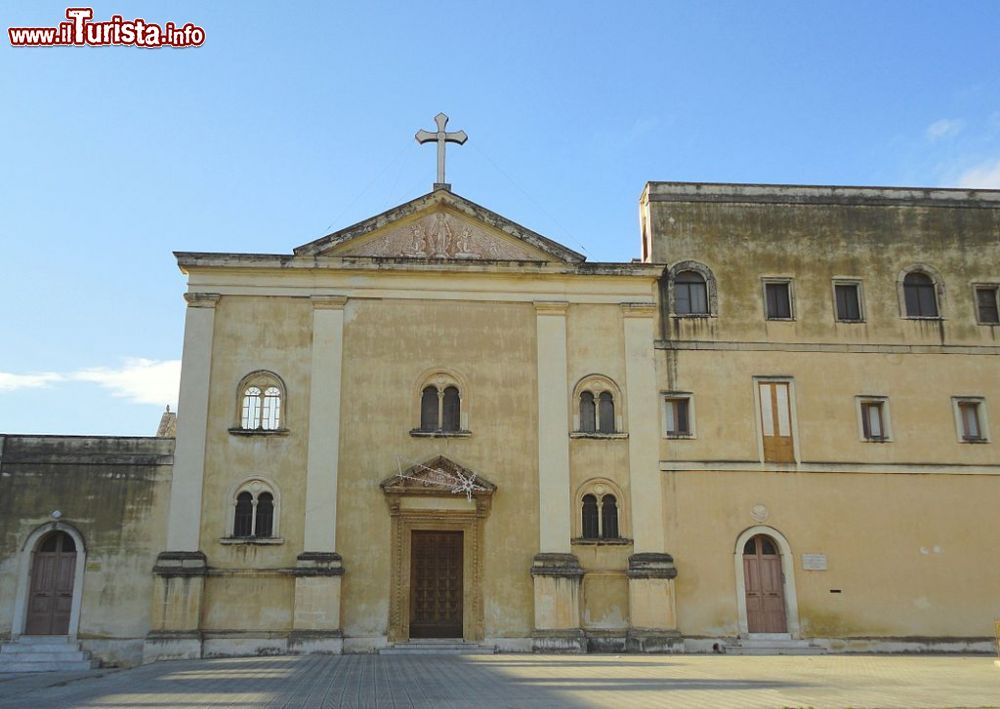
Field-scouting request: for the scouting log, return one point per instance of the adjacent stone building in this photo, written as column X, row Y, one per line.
column 773, row 429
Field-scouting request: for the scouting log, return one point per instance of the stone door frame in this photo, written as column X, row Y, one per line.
column 27, row 555
column 788, row 571
column 427, row 511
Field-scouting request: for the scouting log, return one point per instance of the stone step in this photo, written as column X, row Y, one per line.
column 773, row 646
column 775, row 651
column 51, row 666
column 44, row 640
column 437, row 648
column 19, row 649
column 784, row 642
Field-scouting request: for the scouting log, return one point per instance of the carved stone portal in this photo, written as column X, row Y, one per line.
column 424, row 498
column 440, row 235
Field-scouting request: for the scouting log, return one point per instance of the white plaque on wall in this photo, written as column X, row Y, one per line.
column 814, row 562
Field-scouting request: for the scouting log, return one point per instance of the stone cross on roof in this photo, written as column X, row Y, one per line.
column 441, row 136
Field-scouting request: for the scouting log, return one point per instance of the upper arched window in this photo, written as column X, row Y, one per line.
column 920, row 295
column 442, row 405
column 254, row 514
column 596, row 397
column 690, row 294
column 261, row 398
column 688, row 289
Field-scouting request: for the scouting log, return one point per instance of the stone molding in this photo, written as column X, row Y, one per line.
column 328, row 302
column 638, row 310
column 795, row 195
column 318, row 563
column 651, row 565
column 551, row 307
column 556, row 564
column 839, row 347
column 181, row 563
column 202, row 300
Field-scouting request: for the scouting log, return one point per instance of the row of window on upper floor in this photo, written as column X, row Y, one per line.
column 262, row 393
column 691, row 292
column 776, row 419
column 595, row 414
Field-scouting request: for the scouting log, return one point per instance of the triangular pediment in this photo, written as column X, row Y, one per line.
column 440, row 226
column 438, row 476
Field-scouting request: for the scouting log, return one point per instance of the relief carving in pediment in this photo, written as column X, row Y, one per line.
column 440, row 236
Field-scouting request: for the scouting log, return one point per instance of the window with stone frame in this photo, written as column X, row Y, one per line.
column 596, row 412
column 442, row 410
column 600, row 514
column 254, row 512
column 920, row 295
column 678, row 415
column 970, row 419
column 988, row 304
column 261, row 402
column 778, row 303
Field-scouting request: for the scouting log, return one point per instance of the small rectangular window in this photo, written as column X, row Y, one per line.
column 677, row 416
column 873, row 421
column 779, row 301
column 848, row 302
column 968, row 412
column 987, row 306
column 971, row 421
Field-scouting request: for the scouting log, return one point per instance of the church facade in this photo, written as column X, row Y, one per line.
column 770, row 431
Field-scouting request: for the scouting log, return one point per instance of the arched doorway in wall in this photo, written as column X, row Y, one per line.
column 766, row 600
column 764, row 586
column 50, row 590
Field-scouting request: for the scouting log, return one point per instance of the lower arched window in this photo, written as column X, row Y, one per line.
column 600, row 519
column 588, row 413
column 591, row 527
column 609, row 517
column 253, row 514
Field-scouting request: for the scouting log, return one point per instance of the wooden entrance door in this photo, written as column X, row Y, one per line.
column 436, row 585
column 765, row 587
column 50, row 598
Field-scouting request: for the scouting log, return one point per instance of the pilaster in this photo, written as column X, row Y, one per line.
column 651, row 571
column 553, row 429
column 318, row 572
column 184, row 516
column 556, row 579
column 178, row 592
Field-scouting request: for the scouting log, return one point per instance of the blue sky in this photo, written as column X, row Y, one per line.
column 295, row 119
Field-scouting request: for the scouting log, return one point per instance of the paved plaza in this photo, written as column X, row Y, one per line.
column 523, row 681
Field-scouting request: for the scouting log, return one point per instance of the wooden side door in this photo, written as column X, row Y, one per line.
column 776, row 422
column 50, row 597
column 436, row 585
column 765, row 587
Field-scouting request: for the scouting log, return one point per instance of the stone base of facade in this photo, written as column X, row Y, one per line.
column 607, row 641
column 571, row 641
column 171, row 645
column 316, row 642
column 653, row 641
column 114, row 652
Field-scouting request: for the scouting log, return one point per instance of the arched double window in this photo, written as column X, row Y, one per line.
column 440, row 409
column 600, row 517
column 596, row 413
column 442, row 404
column 261, row 398
column 254, row 511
